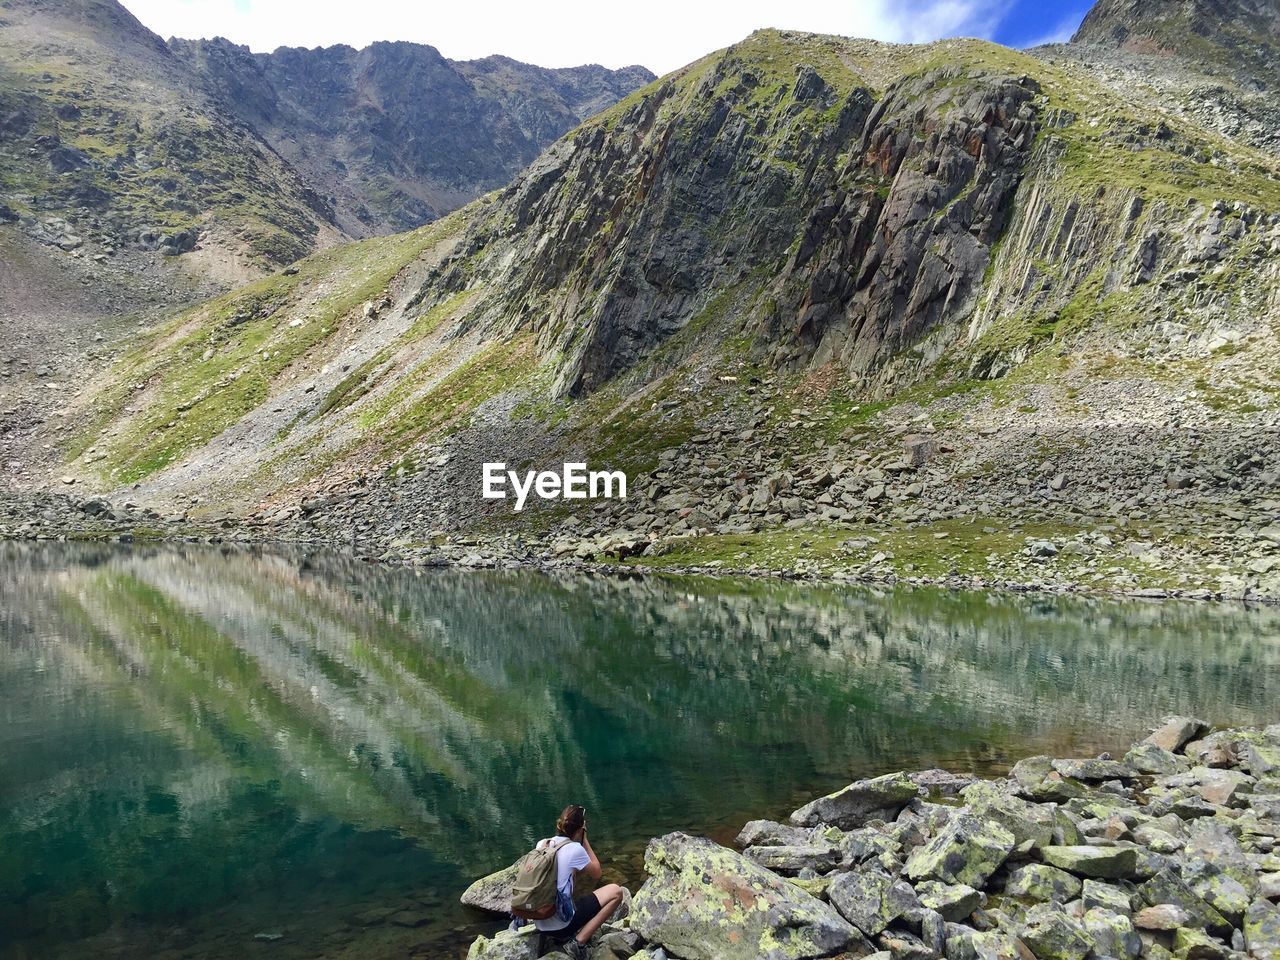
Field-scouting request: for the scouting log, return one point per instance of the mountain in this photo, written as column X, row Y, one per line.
column 1217, row 61
column 137, row 175
column 1237, row 36
column 947, row 310
column 108, row 144
column 114, row 140
column 395, row 135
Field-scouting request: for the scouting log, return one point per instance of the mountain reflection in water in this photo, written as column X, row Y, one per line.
column 198, row 746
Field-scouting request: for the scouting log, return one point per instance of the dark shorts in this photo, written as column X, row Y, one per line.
column 584, row 908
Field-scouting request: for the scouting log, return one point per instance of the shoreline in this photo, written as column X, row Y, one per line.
column 472, row 553
column 1171, row 853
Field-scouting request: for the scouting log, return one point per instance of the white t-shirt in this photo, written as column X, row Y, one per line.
column 571, row 857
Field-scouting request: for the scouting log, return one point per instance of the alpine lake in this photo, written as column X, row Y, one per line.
column 234, row 753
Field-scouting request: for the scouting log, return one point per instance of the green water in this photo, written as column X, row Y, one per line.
column 199, row 746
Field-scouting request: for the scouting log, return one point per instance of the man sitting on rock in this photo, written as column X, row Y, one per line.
column 576, row 858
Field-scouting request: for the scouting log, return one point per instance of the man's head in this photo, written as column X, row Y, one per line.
column 572, row 822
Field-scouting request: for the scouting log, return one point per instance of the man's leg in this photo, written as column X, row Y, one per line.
column 610, row 897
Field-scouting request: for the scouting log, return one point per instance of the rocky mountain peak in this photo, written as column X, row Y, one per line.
column 1235, row 34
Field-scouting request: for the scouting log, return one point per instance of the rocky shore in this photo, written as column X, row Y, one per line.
column 1171, row 852
column 49, row 516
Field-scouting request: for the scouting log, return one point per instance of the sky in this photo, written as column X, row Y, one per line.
column 659, row 34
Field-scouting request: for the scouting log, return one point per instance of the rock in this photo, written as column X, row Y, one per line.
column 769, row 833
column 967, row 851
column 870, row 900
column 1028, row 822
column 1052, row 934
column 941, row 782
column 492, row 893
column 705, row 902
column 793, row 859
column 1112, row 934
column 1191, row 944
column 953, row 901
column 1260, row 758
column 904, row 945
column 1269, row 884
column 1222, row 787
column 1176, row 732
column 1098, row 894
column 409, row 918
column 919, row 449
column 1037, row 780
column 1100, row 863
column 1164, row 916
column 985, row 945
column 1094, row 770
column 507, row 945
column 1262, row 930
column 1167, row 887
column 854, row 805
column 1148, row 758
column 1041, row 882
column 1224, row 893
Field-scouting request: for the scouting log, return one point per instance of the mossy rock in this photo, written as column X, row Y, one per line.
column 706, row 902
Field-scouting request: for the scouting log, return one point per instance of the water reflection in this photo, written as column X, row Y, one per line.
column 198, row 746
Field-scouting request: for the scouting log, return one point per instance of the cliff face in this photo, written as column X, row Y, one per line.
column 874, row 209
column 395, row 135
column 855, row 221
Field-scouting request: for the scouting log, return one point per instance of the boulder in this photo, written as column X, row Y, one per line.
column 1223, row 788
column 705, row 902
column 871, row 900
column 507, row 945
column 1192, row 944
column 967, row 944
column 1028, row 822
column 953, row 901
column 1053, row 934
column 1042, row 882
column 1260, row 757
column 968, row 850
column 1095, row 893
column 1224, row 893
column 1099, row 863
column 1112, row 934
column 1164, row 916
column 1094, row 770
column 1262, row 930
column 769, row 833
column 1037, row 780
column 791, row 860
column 1149, row 758
column 492, row 893
column 1167, row 887
column 877, row 798
column 1176, row 732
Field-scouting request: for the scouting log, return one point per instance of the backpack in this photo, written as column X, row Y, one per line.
column 535, row 894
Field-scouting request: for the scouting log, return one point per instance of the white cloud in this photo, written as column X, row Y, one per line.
column 1061, row 33
column 661, row 34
